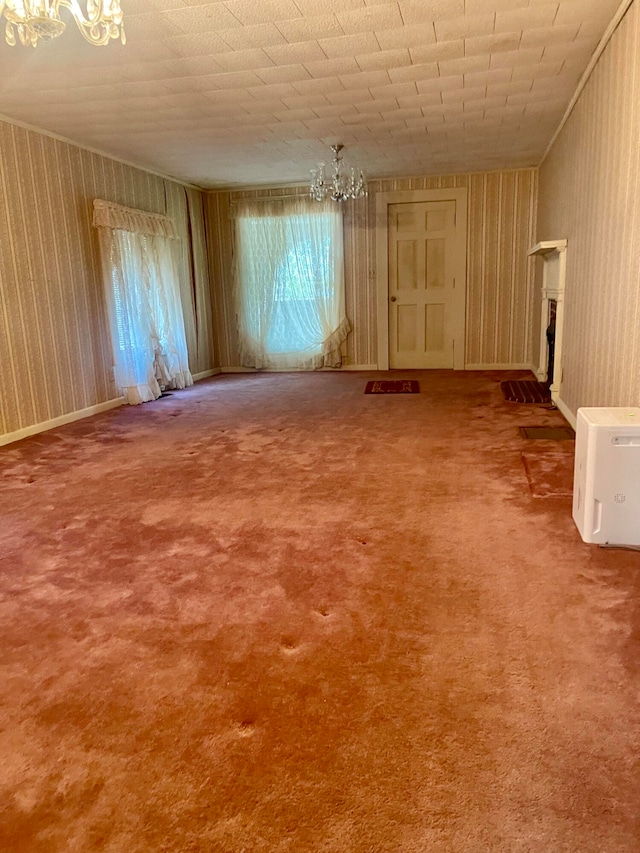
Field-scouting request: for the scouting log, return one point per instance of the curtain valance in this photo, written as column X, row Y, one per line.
column 106, row 214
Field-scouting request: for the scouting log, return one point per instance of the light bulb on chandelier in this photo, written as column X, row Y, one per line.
column 341, row 185
column 28, row 21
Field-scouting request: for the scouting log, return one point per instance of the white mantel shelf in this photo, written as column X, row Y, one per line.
column 548, row 246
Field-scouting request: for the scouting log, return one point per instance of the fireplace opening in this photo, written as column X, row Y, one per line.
column 551, row 341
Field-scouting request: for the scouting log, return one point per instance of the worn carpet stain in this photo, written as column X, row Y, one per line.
column 266, row 615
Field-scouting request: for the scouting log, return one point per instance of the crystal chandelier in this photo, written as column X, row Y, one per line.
column 30, row 20
column 341, row 185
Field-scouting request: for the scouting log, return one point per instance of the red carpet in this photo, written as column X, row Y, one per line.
column 272, row 614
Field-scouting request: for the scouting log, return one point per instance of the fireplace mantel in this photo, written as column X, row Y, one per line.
column 553, row 253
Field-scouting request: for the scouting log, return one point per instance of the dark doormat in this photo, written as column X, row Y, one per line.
column 393, row 386
column 548, row 433
column 525, row 391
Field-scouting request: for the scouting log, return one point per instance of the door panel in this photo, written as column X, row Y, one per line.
column 421, row 284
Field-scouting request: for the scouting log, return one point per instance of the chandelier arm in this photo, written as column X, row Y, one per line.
column 40, row 19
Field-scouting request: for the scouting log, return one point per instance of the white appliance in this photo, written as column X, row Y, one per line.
column 606, row 480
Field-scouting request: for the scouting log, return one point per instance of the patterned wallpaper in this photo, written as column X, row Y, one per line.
column 590, row 194
column 499, row 274
column 54, row 348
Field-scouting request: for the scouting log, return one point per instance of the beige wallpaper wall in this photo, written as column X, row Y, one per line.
column 590, row 194
column 55, row 355
column 499, row 274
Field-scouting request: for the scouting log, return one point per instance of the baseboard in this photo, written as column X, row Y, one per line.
column 34, row 429
column 294, row 370
column 358, row 367
column 500, row 367
column 566, row 411
column 206, row 374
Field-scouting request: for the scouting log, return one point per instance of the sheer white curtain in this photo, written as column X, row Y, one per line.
column 143, row 301
column 289, row 283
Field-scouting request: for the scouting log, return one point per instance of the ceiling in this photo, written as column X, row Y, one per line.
column 246, row 92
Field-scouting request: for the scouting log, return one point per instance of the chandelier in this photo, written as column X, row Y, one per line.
column 31, row 20
column 340, row 186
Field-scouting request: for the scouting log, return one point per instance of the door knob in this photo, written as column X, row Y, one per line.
column 393, row 299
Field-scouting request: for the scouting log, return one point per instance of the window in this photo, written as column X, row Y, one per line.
column 289, row 278
column 143, row 301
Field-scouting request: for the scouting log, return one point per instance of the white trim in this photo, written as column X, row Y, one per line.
column 97, row 151
column 500, row 367
column 566, row 411
column 380, row 179
column 206, row 374
column 70, row 417
column 359, row 367
column 300, row 370
column 383, row 200
column 548, row 246
column 604, row 41
column 19, row 434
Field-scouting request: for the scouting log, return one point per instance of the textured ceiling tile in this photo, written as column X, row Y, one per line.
column 414, row 72
column 599, row 12
column 466, row 65
column 151, row 26
column 365, row 79
column 395, row 90
column 239, row 108
column 349, row 96
column 420, row 102
column 259, row 35
column 463, row 94
column 326, row 7
column 512, row 58
column 548, row 35
column 413, row 36
column 362, row 119
column 488, row 78
column 477, row 7
column 515, row 87
column 521, row 19
column 384, row 59
column 492, row 44
column 284, row 74
column 318, row 87
column 417, row 12
column 272, row 90
column 349, row 46
column 197, row 44
column 541, row 69
column 296, row 115
column 309, row 29
column 328, row 110
column 441, row 84
column 290, row 54
column 262, row 12
column 370, row 18
column 199, row 19
column 332, row 67
column 243, row 60
column 378, row 105
column 471, row 25
column 438, row 51
column 308, row 102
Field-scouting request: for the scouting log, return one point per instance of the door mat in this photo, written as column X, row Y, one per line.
column 548, row 433
column 525, row 391
column 393, row 386
column 549, row 475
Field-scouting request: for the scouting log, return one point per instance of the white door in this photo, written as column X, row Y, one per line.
column 424, row 307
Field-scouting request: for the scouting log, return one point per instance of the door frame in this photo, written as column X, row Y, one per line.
column 383, row 200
